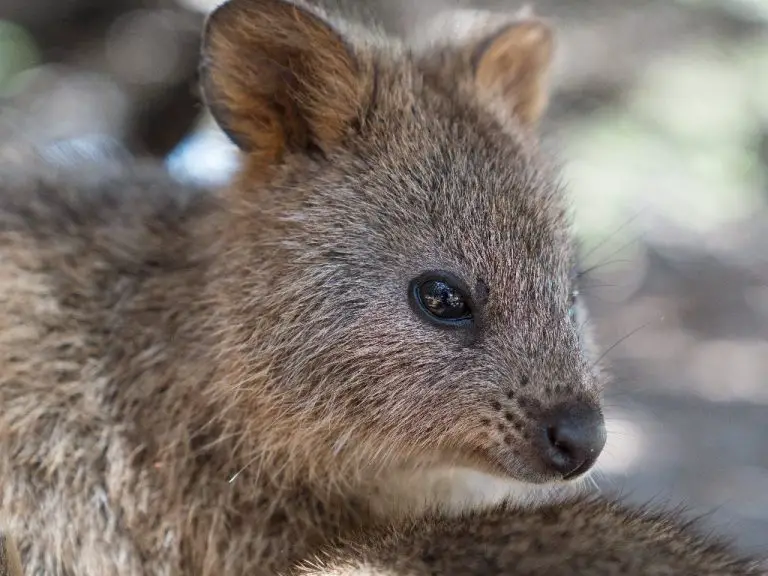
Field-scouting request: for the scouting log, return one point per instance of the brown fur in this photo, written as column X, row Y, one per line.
column 584, row 537
column 277, row 78
column 514, row 66
column 10, row 562
column 216, row 384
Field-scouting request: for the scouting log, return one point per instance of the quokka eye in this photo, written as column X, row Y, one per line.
column 439, row 298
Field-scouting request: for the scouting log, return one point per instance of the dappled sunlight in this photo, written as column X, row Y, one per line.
column 625, row 446
column 206, row 157
column 730, row 370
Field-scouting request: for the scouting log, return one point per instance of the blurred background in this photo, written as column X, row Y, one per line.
column 660, row 119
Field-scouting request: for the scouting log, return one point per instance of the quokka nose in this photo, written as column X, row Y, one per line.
column 571, row 438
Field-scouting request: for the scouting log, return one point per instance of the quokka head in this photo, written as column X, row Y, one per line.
column 399, row 266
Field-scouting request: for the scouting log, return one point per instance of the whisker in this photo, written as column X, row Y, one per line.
column 620, row 340
column 602, row 242
column 603, row 264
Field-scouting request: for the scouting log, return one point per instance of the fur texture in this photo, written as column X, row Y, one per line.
column 588, row 537
column 10, row 563
column 216, row 384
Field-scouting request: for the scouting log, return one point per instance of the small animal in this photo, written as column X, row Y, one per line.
column 375, row 321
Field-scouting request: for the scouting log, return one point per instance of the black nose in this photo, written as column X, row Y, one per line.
column 571, row 438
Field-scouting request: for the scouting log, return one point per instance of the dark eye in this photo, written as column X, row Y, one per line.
column 440, row 299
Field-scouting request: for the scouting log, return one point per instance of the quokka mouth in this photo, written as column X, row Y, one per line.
column 580, row 471
column 525, row 468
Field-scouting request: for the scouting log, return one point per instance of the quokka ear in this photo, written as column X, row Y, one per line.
column 512, row 65
column 278, row 78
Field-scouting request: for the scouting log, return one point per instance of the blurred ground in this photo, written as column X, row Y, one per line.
column 660, row 117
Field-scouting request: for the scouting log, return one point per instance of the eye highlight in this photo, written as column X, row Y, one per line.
column 440, row 298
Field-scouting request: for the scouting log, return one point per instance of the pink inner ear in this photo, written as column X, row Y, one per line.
column 513, row 66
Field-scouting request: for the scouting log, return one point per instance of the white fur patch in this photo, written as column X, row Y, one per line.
column 454, row 490
column 362, row 570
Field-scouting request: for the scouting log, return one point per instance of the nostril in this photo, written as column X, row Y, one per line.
column 573, row 438
column 558, row 442
column 552, row 435
column 555, row 440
